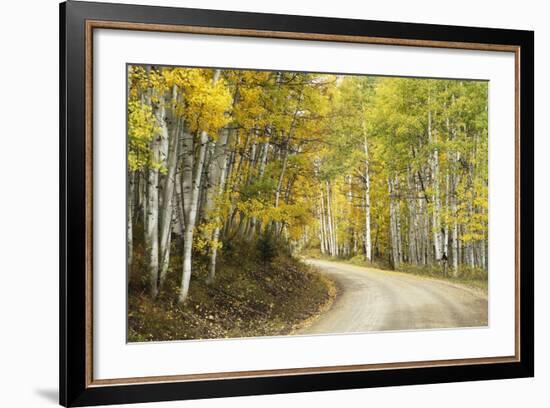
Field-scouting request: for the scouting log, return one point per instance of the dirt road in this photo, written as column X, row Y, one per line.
column 373, row 300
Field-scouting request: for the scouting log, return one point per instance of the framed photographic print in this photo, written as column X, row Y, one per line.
column 256, row 203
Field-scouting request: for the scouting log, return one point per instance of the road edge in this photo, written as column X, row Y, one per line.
column 333, row 292
column 470, row 289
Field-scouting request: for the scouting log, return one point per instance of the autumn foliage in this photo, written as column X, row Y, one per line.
column 388, row 169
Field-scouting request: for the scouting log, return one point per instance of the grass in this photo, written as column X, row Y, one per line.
column 472, row 277
column 475, row 278
column 252, row 296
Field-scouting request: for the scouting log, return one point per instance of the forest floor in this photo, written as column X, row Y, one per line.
column 250, row 297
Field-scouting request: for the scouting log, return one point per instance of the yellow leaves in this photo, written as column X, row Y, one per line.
column 250, row 112
column 320, row 125
column 294, row 215
column 146, row 80
column 137, row 81
column 297, row 215
column 471, row 237
column 142, row 127
column 203, row 241
column 204, row 102
column 200, row 244
column 206, row 106
column 254, row 208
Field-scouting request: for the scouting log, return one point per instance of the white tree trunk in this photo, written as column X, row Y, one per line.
column 151, row 211
column 167, row 204
column 130, row 215
column 397, row 212
column 413, row 221
column 191, row 179
column 394, row 225
column 187, row 194
column 368, row 242
column 321, row 226
column 454, row 213
column 191, row 190
column 445, row 229
column 324, row 227
column 220, row 163
column 143, row 183
column 436, row 210
column 152, row 220
column 331, row 233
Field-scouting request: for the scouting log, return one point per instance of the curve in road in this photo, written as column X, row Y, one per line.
column 374, row 300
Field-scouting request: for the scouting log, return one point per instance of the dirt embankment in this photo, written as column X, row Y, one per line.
column 249, row 298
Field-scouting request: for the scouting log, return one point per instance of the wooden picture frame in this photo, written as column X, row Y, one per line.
column 78, row 20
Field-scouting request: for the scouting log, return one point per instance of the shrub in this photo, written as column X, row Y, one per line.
column 267, row 247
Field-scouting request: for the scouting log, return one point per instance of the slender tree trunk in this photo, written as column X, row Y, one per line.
column 397, row 212
column 413, row 221
column 331, row 223
column 152, row 220
column 282, row 174
column 470, row 244
column 187, row 193
column 235, row 181
column 368, row 243
column 321, row 226
column 445, row 229
column 454, row 214
column 192, row 175
column 167, row 196
column 143, row 189
column 432, row 135
column 286, row 151
column 130, row 220
column 192, row 197
column 152, row 209
column 221, row 164
column 263, row 161
column 324, row 226
column 394, row 227
column 350, row 229
column 455, row 253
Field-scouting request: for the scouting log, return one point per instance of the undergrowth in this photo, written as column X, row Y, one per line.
column 260, row 290
column 472, row 277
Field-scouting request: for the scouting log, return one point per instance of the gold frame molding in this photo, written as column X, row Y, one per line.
column 100, row 24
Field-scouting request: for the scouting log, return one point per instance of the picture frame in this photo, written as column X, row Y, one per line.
column 79, row 21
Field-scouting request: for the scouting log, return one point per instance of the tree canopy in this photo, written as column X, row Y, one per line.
column 389, row 169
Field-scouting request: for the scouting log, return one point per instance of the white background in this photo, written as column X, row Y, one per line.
column 113, row 358
column 29, row 204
